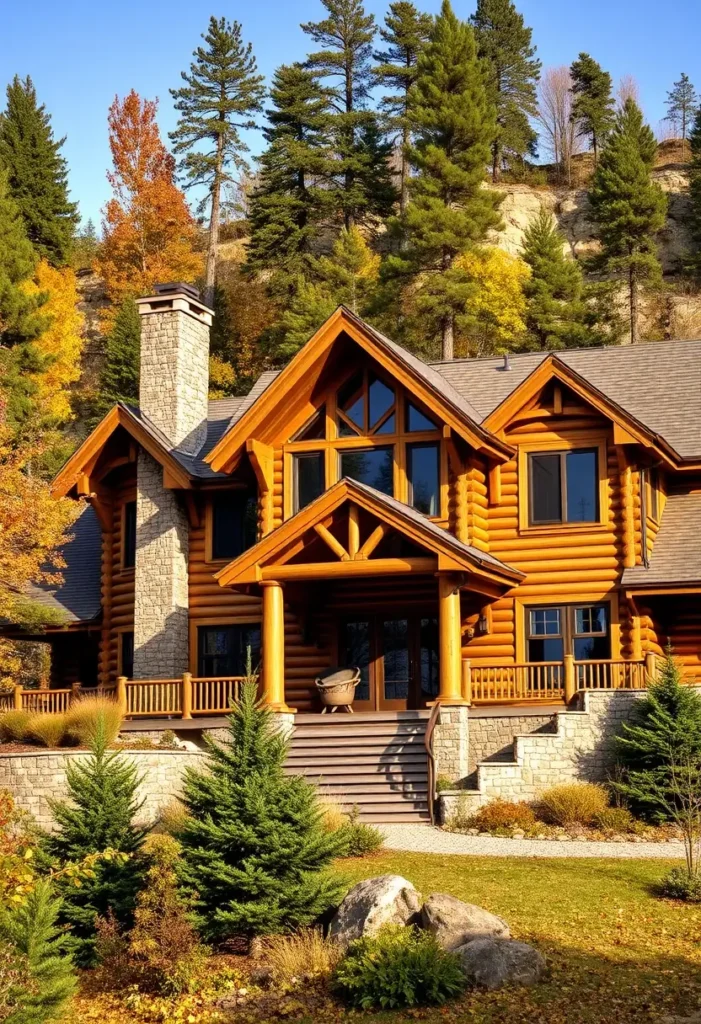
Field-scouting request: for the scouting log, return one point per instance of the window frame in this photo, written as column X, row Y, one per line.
column 568, row 624
column 126, row 505
column 410, row 448
column 295, row 459
column 210, row 556
column 213, row 623
column 565, row 444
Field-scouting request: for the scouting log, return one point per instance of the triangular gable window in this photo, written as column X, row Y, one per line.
column 314, row 429
column 416, row 420
column 366, row 405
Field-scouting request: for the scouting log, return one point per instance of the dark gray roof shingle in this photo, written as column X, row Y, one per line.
column 78, row 596
column 676, row 554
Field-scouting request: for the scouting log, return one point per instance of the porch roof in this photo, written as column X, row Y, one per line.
column 676, row 557
column 272, row 556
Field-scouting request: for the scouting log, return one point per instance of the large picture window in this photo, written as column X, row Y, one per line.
column 373, row 466
column 234, row 523
column 563, row 487
column 224, row 650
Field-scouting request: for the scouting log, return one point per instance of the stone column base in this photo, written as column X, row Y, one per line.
column 451, row 743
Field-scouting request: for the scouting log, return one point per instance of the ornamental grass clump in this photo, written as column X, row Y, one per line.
column 304, row 954
column 399, row 967
column 572, row 803
column 47, row 730
column 90, row 715
column 13, row 726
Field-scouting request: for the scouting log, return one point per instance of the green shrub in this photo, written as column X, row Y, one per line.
column 615, row 819
column 13, row 726
column 85, row 715
column 572, row 803
column 445, row 784
column 359, row 838
column 503, row 814
column 48, row 730
column 396, row 968
column 680, row 885
column 168, row 740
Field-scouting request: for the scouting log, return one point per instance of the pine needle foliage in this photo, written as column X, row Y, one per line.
column 593, row 104
column 119, row 379
column 100, row 816
column 254, row 847
column 682, row 105
column 692, row 262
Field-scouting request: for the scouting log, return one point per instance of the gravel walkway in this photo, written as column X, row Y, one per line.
column 426, row 839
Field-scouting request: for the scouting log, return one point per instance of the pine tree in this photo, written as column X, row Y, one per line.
column 593, row 104
column 692, row 263
column 449, row 211
column 100, row 816
column 254, row 846
column 119, row 378
column 85, row 247
column 682, row 104
column 37, row 173
column 20, row 316
column 513, row 71
column 629, row 208
column 47, row 979
column 363, row 185
column 406, row 33
column 290, row 198
column 221, row 95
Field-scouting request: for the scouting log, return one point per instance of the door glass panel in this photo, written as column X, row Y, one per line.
column 395, row 646
column 582, row 487
column 546, row 499
column 356, row 654
column 422, row 470
column 428, row 658
column 373, row 466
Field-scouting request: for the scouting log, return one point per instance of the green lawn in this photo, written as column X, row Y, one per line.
column 615, row 952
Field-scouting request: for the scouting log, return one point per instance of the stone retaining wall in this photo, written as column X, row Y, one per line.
column 492, row 736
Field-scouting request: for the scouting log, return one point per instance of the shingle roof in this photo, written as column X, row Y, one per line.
column 676, row 555
column 658, row 383
column 78, row 596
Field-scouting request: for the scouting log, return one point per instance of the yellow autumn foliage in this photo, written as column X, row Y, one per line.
column 494, row 320
column 61, row 342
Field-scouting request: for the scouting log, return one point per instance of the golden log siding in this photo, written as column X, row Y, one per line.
column 350, row 555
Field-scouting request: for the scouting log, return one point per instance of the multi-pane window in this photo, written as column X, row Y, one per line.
column 423, row 475
column 227, row 650
column 563, row 487
column 581, row 630
column 373, row 466
column 129, row 536
column 366, row 405
column 308, row 478
column 234, row 523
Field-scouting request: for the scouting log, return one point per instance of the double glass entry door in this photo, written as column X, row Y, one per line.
column 397, row 658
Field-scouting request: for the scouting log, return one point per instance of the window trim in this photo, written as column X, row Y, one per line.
column 565, row 443
column 568, row 623
column 219, row 620
column 524, row 605
column 295, row 459
column 209, row 522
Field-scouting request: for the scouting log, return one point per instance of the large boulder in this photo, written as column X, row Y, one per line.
column 494, row 963
column 389, row 899
column 454, row 923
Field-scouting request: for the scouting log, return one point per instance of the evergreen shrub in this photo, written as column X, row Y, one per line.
column 680, row 885
column 359, row 838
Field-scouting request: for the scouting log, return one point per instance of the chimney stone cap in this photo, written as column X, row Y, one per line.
column 175, row 296
column 171, row 287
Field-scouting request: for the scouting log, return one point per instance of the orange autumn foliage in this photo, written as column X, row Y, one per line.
column 149, row 234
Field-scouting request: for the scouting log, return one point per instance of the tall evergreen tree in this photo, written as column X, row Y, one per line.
column 682, row 104
column 37, row 173
column 513, row 71
column 100, row 816
column 290, row 197
column 593, row 104
column 119, row 378
column 363, row 185
column 406, row 33
column 221, row 95
column 254, row 846
column 629, row 208
column 453, row 124
column 693, row 259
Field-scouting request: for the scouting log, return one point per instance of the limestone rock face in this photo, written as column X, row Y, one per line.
column 495, row 963
column 388, row 899
column 455, row 923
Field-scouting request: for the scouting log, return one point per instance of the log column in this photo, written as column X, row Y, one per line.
column 273, row 669
column 450, row 641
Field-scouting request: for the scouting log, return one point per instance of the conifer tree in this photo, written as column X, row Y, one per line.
column 692, row 263
column 47, row 979
column 363, row 185
column 513, row 71
column 593, row 103
column 254, row 846
column 629, row 208
column 222, row 94
column 85, row 246
column 290, row 197
column 682, row 104
column 37, row 173
column 100, row 816
column 20, row 311
column 453, row 124
column 405, row 34
column 119, row 378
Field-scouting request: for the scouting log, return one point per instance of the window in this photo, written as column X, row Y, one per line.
column 224, row 650
column 315, row 428
column 564, row 487
column 373, row 466
column 581, row 630
column 126, row 655
column 129, row 536
column 234, row 523
column 415, row 419
column 366, row 405
column 423, row 476
column 308, row 470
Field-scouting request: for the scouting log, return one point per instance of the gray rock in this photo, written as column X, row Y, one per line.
column 389, row 899
column 495, row 963
column 454, row 923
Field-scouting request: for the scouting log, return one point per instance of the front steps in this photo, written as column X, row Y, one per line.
column 375, row 761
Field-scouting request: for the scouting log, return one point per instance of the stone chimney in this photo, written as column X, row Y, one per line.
column 174, row 382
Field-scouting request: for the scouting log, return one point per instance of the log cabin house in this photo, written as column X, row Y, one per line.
column 503, row 530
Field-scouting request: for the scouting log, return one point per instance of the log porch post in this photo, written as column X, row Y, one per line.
column 273, row 668
column 450, row 644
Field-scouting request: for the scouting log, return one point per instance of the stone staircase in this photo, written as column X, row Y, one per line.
column 375, row 761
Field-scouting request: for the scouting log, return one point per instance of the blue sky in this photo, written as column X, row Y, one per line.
column 81, row 52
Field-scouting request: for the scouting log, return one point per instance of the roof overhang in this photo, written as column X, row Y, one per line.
column 648, row 589
column 273, row 558
column 262, row 419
